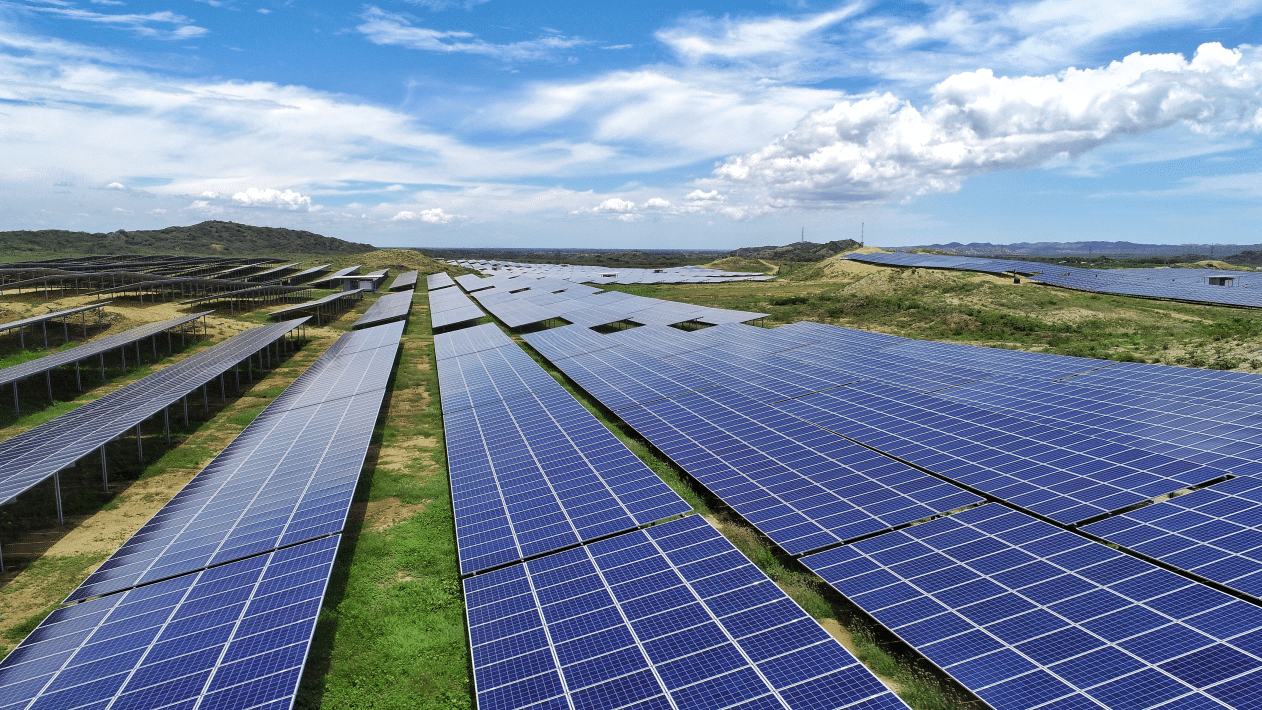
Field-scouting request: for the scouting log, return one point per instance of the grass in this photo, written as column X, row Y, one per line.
column 391, row 633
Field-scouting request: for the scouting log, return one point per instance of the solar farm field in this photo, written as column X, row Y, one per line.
column 844, row 505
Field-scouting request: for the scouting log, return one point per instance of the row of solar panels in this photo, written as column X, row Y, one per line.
column 1023, row 613
column 606, row 275
column 578, row 601
column 448, row 307
column 213, row 603
column 1151, row 283
column 521, row 300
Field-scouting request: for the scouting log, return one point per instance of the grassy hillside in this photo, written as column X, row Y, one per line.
column 208, row 237
column 797, row 251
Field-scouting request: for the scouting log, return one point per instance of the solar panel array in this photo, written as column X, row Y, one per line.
column 33, row 320
column 449, row 307
column 1149, row 283
column 532, row 471
column 235, row 636
column 522, row 300
column 1027, row 615
column 405, row 281
column 320, row 303
column 54, row 360
column 669, row 617
column 612, row 275
column 288, row 477
column 213, row 603
column 442, row 279
column 391, row 306
column 39, row 452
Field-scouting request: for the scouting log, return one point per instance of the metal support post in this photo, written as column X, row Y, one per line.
column 166, row 422
column 77, row 379
column 140, row 445
column 185, row 410
column 205, row 401
column 61, row 519
column 105, row 472
column 16, row 410
column 48, row 377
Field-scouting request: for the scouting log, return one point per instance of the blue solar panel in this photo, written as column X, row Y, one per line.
column 801, row 486
column 619, row 379
column 467, row 341
column 391, row 306
column 235, row 636
column 567, row 341
column 288, row 477
column 764, row 377
column 1215, row 532
column 489, row 376
column 1025, row 614
column 669, row 617
column 539, row 473
column 1062, row 475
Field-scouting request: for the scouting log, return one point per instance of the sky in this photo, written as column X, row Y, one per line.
column 437, row 123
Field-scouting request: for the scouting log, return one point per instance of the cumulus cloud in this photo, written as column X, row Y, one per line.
column 614, row 204
column 883, row 147
column 116, row 186
column 254, row 197
column 381, row 27
column 657, row 203
column 432, row 216
column 698, row 37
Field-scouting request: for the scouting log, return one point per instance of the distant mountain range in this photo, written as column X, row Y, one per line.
column 205, row 238
column 1131, row 249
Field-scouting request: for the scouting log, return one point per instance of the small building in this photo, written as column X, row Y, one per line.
column 1221, row 280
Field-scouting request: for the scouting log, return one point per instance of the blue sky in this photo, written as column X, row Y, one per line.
column 636, row 124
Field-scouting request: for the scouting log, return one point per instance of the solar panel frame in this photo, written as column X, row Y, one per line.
column 388, row 307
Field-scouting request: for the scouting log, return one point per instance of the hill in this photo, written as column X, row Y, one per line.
column 205, row 238
column 797, row 251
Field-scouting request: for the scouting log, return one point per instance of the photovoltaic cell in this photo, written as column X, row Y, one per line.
column 467, row 341
column 235, row 636
column 619, row 379
column 1030, row 616
column 1215, row 532
column 539, row 473
column 801, row 486
column 1065, row 476
column 669, row 617
column 567, row 341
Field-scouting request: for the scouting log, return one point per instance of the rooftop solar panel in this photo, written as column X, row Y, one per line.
column 1027, row 615
column 1215, row 533
column 799, row 485
column 467, row 341
column 391, row 306
column 669, row 617
column 538, row 473
column 1064, row 476
column 235, row 636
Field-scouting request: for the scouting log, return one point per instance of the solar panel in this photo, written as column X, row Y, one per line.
column 567, row 341
column 235, row 636
column 1215, row 533
column 407, row 281
column 1027, row 615
column 308, row 305
column 802, row 487
column 1062, row 475
column 488, row 376
column 763, row 377
column 39, row 452
column 391, row 306
column 22, row 323
column 467, row 341
column 96, row 347
column 288, row 477
column 668, row 617
column 337, row 274
column 539, row 473
column 619, row 379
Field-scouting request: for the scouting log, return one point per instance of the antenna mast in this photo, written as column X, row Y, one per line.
column 861, row 225
column 803, row 239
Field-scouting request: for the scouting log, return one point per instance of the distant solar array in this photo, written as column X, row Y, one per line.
column 519, row 300
column 1243, row 289
column 610, row 275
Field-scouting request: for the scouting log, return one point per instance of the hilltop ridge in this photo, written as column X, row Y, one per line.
column 207, row 237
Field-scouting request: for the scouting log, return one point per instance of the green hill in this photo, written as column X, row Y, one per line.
column 204, row 238
column 797, row 251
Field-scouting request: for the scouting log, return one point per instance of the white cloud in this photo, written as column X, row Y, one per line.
column 381, row 27
column 263, row 11
column 882, row 147
column 116, row 186
column 108, row 2
column 657, row 203
column 149, row 25
column 438, row 5
column 432, row 216
column 254, row 197
column 699, row 37
column 614, row 204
